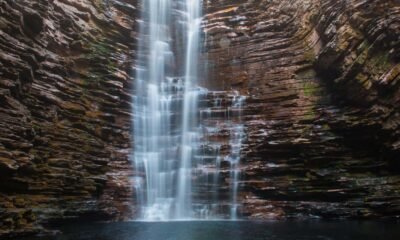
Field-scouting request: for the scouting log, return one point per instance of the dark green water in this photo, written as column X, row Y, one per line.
column 288, row 230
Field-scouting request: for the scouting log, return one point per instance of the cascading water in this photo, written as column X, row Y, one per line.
column 237, row 134
column 169, row 135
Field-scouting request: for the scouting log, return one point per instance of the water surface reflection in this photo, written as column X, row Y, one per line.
column 219, row 230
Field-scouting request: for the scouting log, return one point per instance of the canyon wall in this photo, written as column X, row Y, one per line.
column 322, row 112
column 64, row 110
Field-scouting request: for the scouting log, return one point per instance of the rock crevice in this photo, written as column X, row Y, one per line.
column 322, row 117
column 65, row 111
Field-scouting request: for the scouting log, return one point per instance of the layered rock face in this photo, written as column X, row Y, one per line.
column 64, row 110
column 322, row 113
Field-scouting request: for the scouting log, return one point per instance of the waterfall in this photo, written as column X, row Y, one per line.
column 169, row 135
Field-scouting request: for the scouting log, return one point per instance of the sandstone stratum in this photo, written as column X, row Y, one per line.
column 322, row 114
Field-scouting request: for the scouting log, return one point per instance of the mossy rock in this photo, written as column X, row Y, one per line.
column 310, row 89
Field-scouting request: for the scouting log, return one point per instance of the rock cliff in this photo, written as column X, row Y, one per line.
column 64, row 110
column 322, row 115
column 322, row 112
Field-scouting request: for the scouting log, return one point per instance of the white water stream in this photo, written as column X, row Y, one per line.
column 169, row 134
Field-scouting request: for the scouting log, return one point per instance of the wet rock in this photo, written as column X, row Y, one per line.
column 319, row 107
column 59, row 141
column 322, row 116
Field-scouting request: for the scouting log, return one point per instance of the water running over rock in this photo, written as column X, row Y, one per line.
column 171, row 133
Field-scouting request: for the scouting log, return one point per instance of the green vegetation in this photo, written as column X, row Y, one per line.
column 381, row 60
column 365, row 45
column 310, row 88
column 309, row 55
column 310, row 114
column 100, row 48
column 99, row 5
column 102, row 61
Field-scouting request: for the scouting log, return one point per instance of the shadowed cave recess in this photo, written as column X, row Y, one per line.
column 297, row 108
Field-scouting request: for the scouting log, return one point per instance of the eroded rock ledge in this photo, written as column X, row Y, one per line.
column 64, row 110
column 322, row 117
